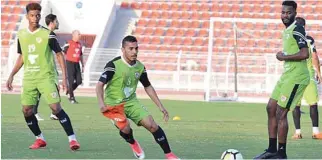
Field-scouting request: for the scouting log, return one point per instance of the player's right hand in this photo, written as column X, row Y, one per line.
column 9, row 83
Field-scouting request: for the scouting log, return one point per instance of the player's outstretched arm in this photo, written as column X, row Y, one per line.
column 15, row 70
column 100, row 96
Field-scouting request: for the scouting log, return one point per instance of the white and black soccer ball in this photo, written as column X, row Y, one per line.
column 231, row 154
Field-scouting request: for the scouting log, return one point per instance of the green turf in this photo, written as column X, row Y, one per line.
column 204, row 132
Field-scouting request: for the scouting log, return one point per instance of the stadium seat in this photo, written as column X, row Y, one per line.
column 185, row 7
column 12, row 2
column 174, row 25
column 155, row 6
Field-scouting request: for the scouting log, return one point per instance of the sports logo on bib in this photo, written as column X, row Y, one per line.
column 137, row 75
column 54, row 95
column 283, row 98
column 38, row 39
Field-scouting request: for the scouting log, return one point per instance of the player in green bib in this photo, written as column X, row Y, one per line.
column 35, row 47
column 119, row 103
column 311, row 95
column 291, row 85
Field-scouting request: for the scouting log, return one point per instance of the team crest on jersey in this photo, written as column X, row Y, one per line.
column 137, row 75
column 54, row 95
column 283, row 98
column 38, row 39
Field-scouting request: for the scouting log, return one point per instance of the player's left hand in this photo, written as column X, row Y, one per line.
column 280, row 55
column 64, row 85
column 318, row 78
column 165, row 114
column 9, row 83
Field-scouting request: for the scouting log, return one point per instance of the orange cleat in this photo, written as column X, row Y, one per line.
column 137, row 150
column 39, row 143
column 74, row 145
column 317, row 136
column 171, row 156
column 297, row 136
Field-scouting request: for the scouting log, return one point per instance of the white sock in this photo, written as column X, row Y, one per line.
column 71, row 137
column 298, row 131
column 315, row 130
column 40, row 137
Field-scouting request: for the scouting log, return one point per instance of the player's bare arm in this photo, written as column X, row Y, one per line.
column 54, row 45
column 61, row 60
column 154, row 97
column 152, row 94
column 301, row 55
column 106, row 76
column 82, row 62
column 100, row 96
column 15, row 70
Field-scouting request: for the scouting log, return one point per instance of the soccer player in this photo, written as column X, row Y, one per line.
column 291, row 85
column 74, row 55
column 311, row 94
column 118, row 102
column 52, row 24
column 35, row 46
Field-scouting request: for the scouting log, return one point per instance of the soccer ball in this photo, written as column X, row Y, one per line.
column 231, row 154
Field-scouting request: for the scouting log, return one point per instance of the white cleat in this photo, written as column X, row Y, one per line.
column 38, row 117
column 53, row 117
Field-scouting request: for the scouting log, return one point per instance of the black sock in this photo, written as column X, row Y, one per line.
column 65, row 122
column 75, row 85
column 297, row 117
column 314, row 113
column 32, row 123
column 128, row 137
column 282, row 147
column 35, row 108
column 272, row 146
column 161, row 139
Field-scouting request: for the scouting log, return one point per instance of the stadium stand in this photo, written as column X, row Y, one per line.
column 176, row 25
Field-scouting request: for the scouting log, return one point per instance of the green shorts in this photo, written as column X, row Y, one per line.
column 288, row 95
column 311, row 94
column 135, row 111
column 47, row 88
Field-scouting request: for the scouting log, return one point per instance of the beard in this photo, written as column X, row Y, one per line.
column 290, row 21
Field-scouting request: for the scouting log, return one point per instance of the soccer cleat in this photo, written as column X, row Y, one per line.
column 266, row 155
column 279, row 155
column 72, row 100
column 39, row 143
column 297, row 136
column 38, row 117
column 137, row 150
column 53, row 117
column 171, row 156
column 74, row 145
column 317, row 136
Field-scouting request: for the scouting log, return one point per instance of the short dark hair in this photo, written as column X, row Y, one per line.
column 50, row 18
column 33, row 6
column 300, row 20
column 290, row 3
column 128, row 39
